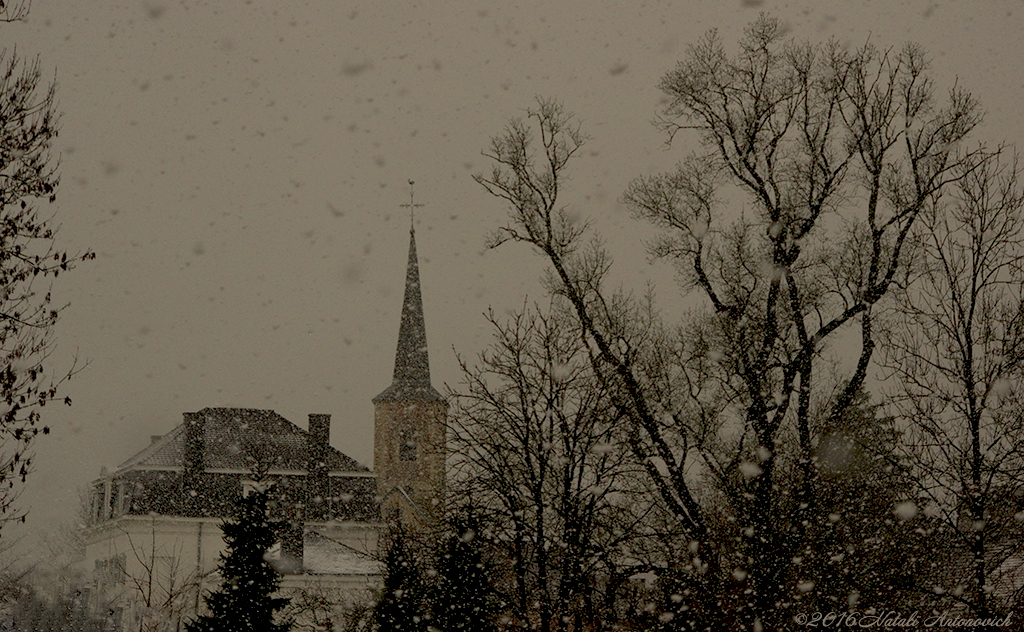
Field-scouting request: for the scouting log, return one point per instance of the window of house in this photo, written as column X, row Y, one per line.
column 166, row 571
column 97, row 504
column 127, row 497
column 111, row 571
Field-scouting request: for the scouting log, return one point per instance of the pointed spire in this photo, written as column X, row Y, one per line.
column 411, row 362
column 411, row 380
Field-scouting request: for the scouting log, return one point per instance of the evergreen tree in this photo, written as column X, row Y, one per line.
column 401, row 606
column 463, row 599
column 244, row 602
column 863, row 550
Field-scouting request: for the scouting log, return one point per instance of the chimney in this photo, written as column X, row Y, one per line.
column 317, row 488
column 193, row 465
column 320, row 429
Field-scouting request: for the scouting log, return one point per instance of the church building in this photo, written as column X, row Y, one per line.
column 154, row 535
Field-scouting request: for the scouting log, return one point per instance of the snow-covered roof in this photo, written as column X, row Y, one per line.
column 231, row 434
column 323, row 556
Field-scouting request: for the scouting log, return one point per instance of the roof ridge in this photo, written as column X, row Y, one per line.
column 152, row 447
column 227, row 429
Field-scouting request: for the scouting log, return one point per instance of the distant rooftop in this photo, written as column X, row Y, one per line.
column 233, row 436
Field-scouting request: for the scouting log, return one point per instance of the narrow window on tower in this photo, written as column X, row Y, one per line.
column 407, row 447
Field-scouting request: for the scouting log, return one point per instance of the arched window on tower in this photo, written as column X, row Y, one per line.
column 407, row 448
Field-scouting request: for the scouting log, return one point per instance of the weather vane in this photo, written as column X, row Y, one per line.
column 411, row 205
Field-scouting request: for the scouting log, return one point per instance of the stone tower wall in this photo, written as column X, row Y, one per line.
column 419, row 468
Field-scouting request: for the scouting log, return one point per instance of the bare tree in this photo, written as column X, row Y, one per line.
column 51, row 594
column 66, row 542
column 832, row 156
column 14, row 11
column 29, row 261
column 164, row 587
column 536, row 457
column 956, row 349
column 320, row 606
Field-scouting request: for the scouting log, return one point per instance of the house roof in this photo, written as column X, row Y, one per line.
column 234, row 437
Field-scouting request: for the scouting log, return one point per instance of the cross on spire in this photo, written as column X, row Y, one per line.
column 412, row 206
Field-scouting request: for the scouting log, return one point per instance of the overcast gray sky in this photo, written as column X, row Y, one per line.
column 238, row 168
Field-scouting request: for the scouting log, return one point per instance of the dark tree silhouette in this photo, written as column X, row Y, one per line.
column 403, row 599
column 462, row 599
column 245, row 601
column 957, row 357
column 790, row 224
column 537, row 455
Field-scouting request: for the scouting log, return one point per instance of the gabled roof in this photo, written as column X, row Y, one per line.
column 235, row 436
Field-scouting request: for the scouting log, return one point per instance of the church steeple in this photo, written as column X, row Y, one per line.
column 411, row 381
column 410, row 418
column 411, row 360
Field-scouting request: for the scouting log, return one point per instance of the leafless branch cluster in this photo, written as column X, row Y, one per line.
column 29, row 261
column 14, row 11
column 536, row 456
column 847, row 163
column 955, row 355
column 160, row 582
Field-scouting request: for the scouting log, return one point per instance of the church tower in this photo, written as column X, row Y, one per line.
column 410, row 420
